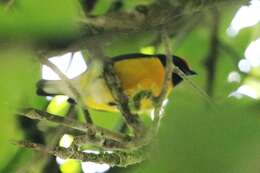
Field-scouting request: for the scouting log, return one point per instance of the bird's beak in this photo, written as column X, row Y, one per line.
column 191, row 72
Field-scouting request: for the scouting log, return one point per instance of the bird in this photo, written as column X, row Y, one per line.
column 141, row 77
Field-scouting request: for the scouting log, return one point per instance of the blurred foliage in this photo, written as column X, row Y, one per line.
column 192, row 138
column 47, row 19
column 19, row 72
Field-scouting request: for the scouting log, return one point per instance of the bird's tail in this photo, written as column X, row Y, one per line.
column 50, row 87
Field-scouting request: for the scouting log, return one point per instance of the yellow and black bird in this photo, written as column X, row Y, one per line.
column 136, row 72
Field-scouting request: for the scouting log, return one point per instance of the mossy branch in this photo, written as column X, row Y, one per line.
column 122, row 100
column 173, row 17
column 84, row 127
column 114, row 84
column 120, row 159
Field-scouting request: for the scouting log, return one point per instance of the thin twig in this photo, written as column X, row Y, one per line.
column 121, row 159
column 172, row 68
column 84, row 127
column 67, row 83
column 196, row 88
column 70, row 61
column 63, row 77
column 167, row 80
column 178, row 71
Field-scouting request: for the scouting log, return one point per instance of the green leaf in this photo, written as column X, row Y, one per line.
column 19, row 71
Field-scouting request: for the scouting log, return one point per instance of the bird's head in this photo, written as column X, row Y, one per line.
column 184, row 67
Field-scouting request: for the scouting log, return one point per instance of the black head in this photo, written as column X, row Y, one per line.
column 183, row 66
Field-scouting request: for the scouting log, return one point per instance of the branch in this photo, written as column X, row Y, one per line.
column 50, row 164
column 104, row 143
column 63, row 77
column 100, row 136
column 116, row 89
column 67, row 83
column 167, row 80
column 122, row 100
column 171, row 17
column 212, row 56
column 156, row 15
column 178, row 71
column 84, row 127
column 121, row 159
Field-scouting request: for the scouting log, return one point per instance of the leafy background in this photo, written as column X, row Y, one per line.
column 192, row 137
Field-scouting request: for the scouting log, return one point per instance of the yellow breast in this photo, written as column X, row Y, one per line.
column 136, row 74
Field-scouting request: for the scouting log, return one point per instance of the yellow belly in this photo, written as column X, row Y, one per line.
column 139, row 74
